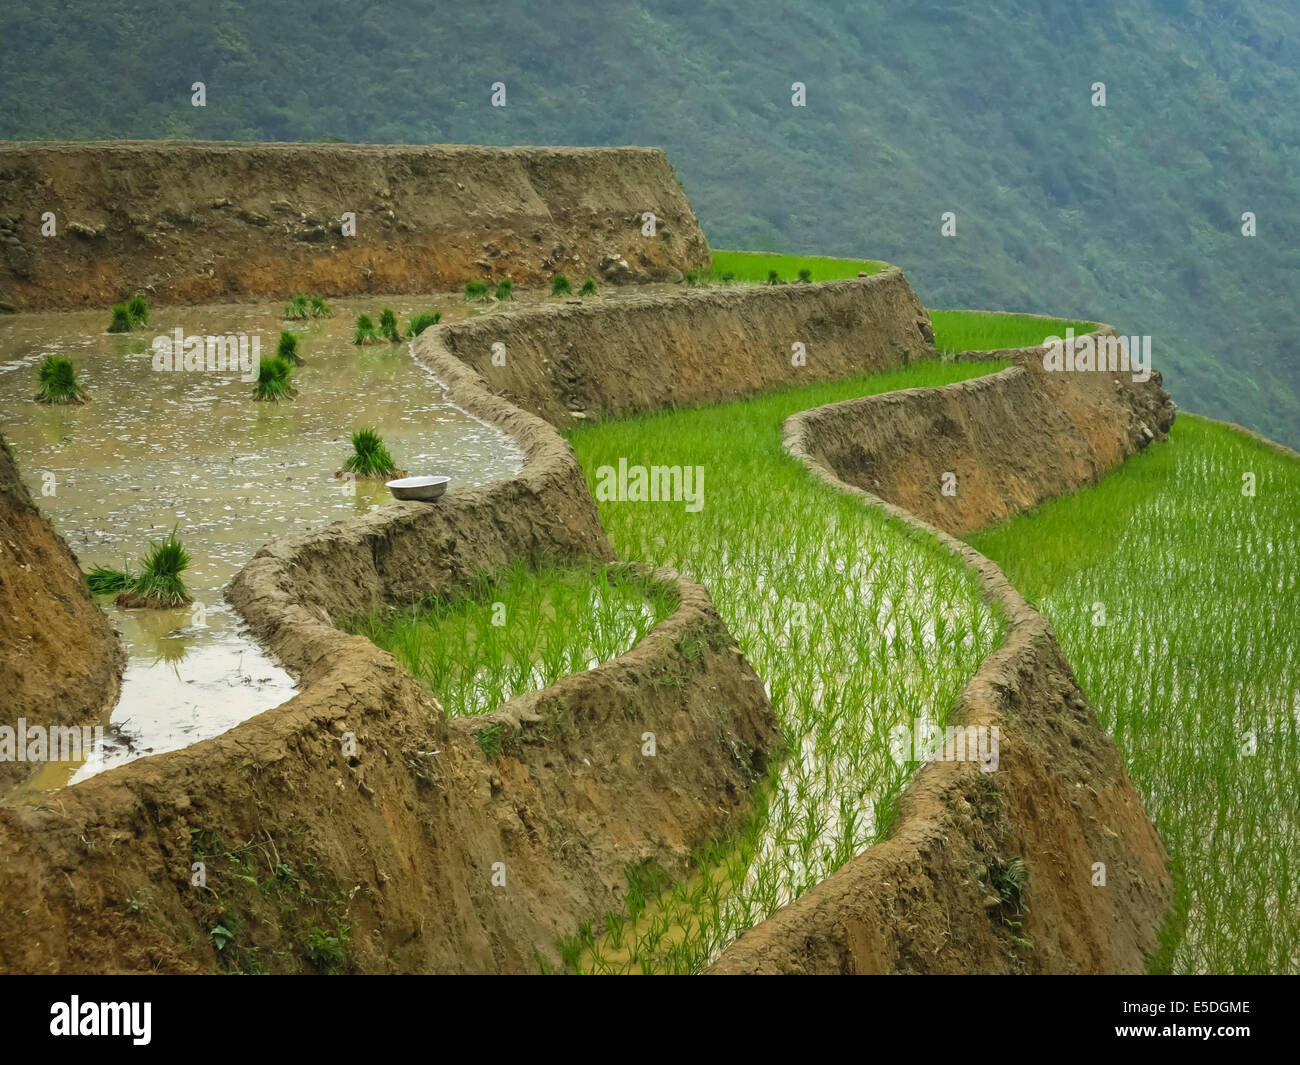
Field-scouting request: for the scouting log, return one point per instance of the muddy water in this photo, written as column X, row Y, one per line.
column 154, row 449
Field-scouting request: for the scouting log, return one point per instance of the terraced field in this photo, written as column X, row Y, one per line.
column 854, row 627
column 1172, row 586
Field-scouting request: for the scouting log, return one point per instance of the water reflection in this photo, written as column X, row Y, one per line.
column 154, row 449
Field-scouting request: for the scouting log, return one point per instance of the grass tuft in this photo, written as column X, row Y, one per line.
column 274, row 381
column 370, row 458
column 58, row 382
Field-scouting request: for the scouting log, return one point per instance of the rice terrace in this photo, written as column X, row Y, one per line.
column 459, row 566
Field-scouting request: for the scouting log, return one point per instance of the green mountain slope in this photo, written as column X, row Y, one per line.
column 1129, row 213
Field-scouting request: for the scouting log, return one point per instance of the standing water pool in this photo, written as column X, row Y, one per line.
column 153, row 449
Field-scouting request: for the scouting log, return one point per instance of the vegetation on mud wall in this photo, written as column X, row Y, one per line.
column 1128, row 213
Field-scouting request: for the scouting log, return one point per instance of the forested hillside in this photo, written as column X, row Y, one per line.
column 1131, row 212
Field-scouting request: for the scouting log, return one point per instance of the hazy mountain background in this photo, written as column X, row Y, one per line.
column 1129, row 213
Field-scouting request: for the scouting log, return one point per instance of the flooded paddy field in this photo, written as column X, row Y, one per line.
column 153, row 449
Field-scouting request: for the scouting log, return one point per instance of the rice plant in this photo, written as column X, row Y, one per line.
column 319, row 308
column 773, row 278
column 958, row 331
column 855, row 629
column 805, row 275
column 749, row 266
column 388, row 326
column 157, row 585
column 121, row 322
column 296, row 309
column 274, row 381
column 588, row 287
column 137, row 310
column 560, row 285
column 287, row 349
column 505, row 289
column 476, row 290
column 1172, row 587
column 105, row 581
column 420, row 322
column 365, row 331
column 518, row 630
column 370, row 458
column 58, row 382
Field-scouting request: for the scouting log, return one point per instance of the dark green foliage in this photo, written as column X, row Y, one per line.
column 388, row 326
column 287, row 349
column 105, row 581
column 274, row 381
column 588, row 287
column 420, row 322
column 365, row 331
column 160, row 581
column 138, row 311
column 58, row 380
column 560, row 285
column 121, row 322
column 369, row 458
column 476, row 290
column 505, row 289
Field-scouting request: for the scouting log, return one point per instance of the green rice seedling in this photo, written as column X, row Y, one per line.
column 805, row 275
column 773, row 278
column 420, row 322
column 365, row 331
column 588, row 287
column 750, row 267
column 1171, row 586
column 370, row 458
column 476, row 290
column 274, row 381
column 886, row 623
column 159, row 583
column 58, row 382
column 519, row 630
column 694, row 279
column 296, row 309
column 505, row 289
column 560, row 285
column 137, row 311
column 319, row 308
column 287, row 349
column 105, row 581
column 388, row 326
column 958, row 331
column 121, row 322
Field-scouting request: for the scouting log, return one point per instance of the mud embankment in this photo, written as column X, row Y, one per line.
column 698, row 347
column 942, row 895
column 60, row 660
column 461, row 846
column 469, row 845
column 90, row 224
column 1010, row 440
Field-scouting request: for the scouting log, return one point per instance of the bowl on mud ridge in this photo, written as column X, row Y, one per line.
column 425, row 488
